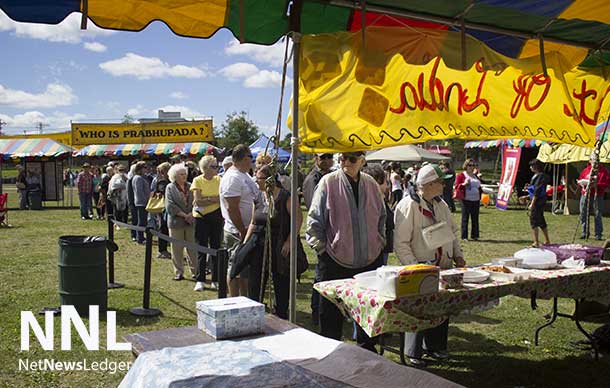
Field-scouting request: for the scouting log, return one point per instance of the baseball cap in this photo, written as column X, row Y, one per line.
column 227, row 160
column 430, row 173
column 324, row 155
column 86, row 164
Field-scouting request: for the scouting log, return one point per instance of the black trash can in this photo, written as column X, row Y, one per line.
column 35, row 199
column 82, row 272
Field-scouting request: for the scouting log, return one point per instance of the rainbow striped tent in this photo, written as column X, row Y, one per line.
column 522, row 143
column 32, row 148
column 507, row 26
column 192, row 149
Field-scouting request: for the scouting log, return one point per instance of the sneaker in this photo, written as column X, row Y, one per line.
column 198, row 286
column 214, row 285
column 417, row 362
column 598, row 238
column 438, row 355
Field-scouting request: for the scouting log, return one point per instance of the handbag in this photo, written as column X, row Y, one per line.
column 156, row 204
column 20, row 185
column 459, row 192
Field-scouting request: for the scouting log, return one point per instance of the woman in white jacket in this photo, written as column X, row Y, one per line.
column 117, row 193
column 418, row 210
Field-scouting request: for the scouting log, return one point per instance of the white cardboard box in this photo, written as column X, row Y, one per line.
column 230, row 317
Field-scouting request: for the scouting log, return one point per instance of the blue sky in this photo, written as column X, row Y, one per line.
column 56, row 73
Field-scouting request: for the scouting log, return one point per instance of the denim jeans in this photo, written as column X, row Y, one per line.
column 598, row 210
column 142, row 221
column 85, row 204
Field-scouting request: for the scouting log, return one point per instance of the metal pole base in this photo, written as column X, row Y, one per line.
column 143, row 312
column 116, row 285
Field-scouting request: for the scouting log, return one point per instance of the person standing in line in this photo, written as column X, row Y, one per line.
column 449, row 182
column 208, row 217
column 117, row 194
column 469, row 182
column 376, row 171
column 133, row 211
column 159, row 186
column 601, row 185
column 537, row 193
column 84, row 182
column 420, row 209
column 238, row 194
column 226, row 164
column 179, row 208
column 104, row 189
column 141, row 195
column 396, row 181
column 323, row 164
column 346, row 203
column 97, row 188
column 22, row 186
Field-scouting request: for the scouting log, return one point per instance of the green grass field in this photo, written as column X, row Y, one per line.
column 491, row 349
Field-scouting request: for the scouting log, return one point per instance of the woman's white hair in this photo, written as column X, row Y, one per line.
column 205, row 162
column 174, row 170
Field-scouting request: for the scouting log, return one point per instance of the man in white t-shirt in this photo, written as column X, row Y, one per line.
column 238, row 194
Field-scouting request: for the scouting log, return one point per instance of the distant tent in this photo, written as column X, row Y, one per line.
column 259, row 146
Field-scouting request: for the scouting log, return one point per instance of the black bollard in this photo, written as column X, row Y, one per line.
column 145, row 310
column 222, row 257
column 111, row 282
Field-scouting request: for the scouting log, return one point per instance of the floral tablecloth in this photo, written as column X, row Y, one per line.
column 377, row 314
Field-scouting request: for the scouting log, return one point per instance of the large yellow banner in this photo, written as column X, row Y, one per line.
column 143, row 133
column 394, row 90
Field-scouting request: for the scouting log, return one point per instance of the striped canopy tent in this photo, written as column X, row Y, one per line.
column 32, row 148
column 507, row 26
column 517, row 29
column 521, row 143
column 191, row 149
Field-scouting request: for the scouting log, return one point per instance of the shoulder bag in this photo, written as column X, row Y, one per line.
column 156, row 204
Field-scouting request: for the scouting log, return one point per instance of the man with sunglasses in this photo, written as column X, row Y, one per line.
column 346, row 227
column 323, row 164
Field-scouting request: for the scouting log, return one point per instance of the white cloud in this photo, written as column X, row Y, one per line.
column 251, row 76
column 29, row 120
column 264, row 79
column 178, row 95
column 144, row 68
column 138, row 110
column 68, row 31
column 270, row 55
column 95, row 47
column 56, row 94
column 238, row 71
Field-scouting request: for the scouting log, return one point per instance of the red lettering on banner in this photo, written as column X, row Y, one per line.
column 584, row 94
column 524, row 86
column 440, row 96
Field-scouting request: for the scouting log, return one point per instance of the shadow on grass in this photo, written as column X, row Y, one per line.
column 527, row 242
column 466, row 318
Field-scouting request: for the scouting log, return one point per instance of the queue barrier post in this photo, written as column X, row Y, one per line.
column 111, row 283
column 145, row 310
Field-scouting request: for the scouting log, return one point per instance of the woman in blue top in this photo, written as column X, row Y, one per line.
column 470, row 183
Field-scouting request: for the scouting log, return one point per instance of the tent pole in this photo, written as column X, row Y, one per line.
column 295, row 16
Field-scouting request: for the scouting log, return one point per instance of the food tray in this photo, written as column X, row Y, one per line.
column 517, row 274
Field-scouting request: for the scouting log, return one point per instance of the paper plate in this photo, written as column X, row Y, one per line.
column 475, row 276
column 539, row 263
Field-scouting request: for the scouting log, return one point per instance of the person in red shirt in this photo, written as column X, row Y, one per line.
column 603, row 182
column 84, row 182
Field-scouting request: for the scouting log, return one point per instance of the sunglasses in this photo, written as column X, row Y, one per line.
column 473, row 165
column 351, row 158
column 326, row 156
column 249, row 156
column 214, row 166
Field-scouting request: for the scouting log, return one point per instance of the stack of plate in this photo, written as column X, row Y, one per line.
column 475, row 276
